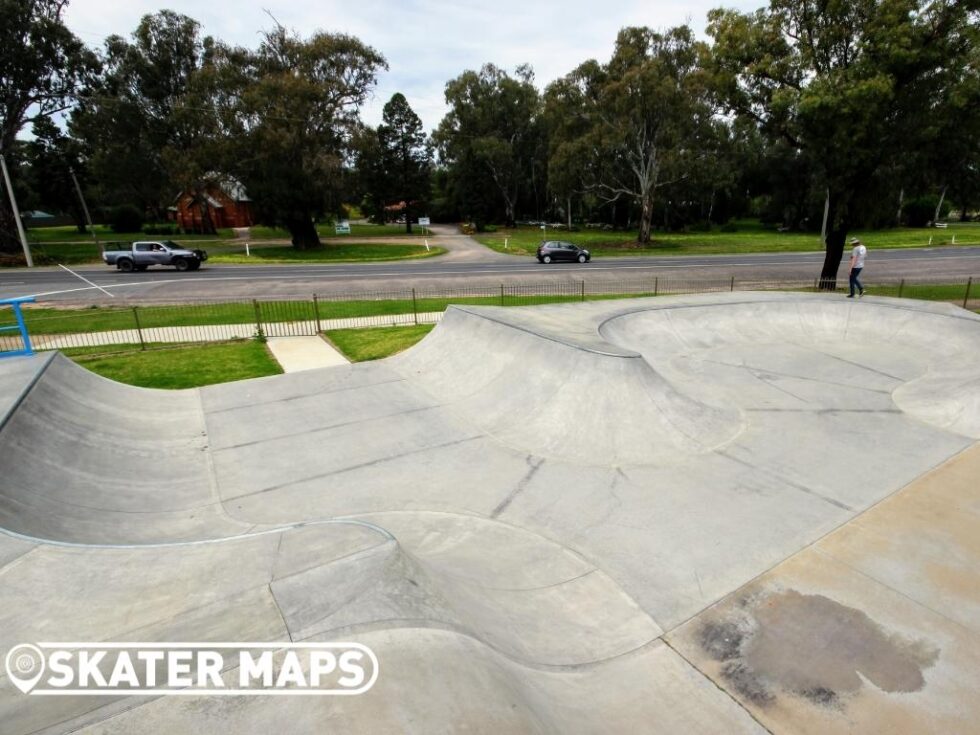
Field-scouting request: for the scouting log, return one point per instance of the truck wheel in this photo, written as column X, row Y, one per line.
column 125, row 265
column 181, row 264
column 195, row 265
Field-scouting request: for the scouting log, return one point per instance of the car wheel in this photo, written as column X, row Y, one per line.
column 546, row 259
column 181, row 264
column 582, row 259
column 125, row 265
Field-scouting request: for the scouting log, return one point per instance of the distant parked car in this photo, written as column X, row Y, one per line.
column 556, row 250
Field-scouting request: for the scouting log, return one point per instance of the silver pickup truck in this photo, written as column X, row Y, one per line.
column 145, row 253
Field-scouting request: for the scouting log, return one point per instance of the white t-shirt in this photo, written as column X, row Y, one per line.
column 858, row 253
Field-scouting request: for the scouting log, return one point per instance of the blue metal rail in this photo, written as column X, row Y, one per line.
column 21, row 327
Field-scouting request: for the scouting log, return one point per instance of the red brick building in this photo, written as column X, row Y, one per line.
column 226, row 204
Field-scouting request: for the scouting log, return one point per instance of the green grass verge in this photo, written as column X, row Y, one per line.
column 179, row 366
column 233, row 251
column 750, row 237
column 359, row 345
column 46, row 320
column 42, row 235
column 333, row 252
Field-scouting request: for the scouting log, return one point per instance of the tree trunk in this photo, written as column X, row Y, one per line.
column 569, row 214
column 509, row 213
column 939, row 207
column 901, row 202
column 646, row 218
column 837, row 227
column 304, row 233
column 833, row 255
column 207, row 223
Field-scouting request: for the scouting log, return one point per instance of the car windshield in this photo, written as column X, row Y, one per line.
column 172, row 245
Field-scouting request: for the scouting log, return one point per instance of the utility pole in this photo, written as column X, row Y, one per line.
column 13, row 205
column 88, row 217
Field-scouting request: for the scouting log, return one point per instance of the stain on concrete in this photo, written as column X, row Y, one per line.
column 721, row 640
column 813, row 647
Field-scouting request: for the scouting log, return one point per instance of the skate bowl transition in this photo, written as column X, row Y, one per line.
column 724, row 513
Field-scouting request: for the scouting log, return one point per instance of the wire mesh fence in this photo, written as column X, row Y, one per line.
column 144, row 326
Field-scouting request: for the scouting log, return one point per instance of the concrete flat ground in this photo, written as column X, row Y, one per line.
column 710, row 514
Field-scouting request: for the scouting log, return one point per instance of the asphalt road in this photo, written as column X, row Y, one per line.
column 950, row 264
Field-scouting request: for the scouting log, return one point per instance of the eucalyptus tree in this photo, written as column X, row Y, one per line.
column 489, row 139
column 290, row 109
column 635, row 124
column 854, row 86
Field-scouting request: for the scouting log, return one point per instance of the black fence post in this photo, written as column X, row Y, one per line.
column 583, row 290
column 415, row 307
column 501, row 294
column 259, row 332
column 656, row 285
column 316, row 313
column 901, row 287
column 733, row 284
column 139, row 329
column 966, row 296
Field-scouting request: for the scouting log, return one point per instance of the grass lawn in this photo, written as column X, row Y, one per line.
column 42, row 235
column 332, row 252
column 359, row 345
column 750, row 237
column 179, row 366
column 233, row 251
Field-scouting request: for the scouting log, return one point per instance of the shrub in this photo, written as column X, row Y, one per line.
column 160, row 230
column 729, row 226
column 126, row 218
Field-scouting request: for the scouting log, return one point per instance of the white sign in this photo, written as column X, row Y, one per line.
column 424, row 221
column 138, row 669
column 342, row 228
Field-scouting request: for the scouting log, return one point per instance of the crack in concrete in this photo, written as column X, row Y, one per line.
column 520, row 487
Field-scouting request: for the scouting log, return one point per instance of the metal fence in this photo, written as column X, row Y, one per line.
column 147, row 326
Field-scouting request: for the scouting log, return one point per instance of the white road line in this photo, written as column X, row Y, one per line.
column 83, row 278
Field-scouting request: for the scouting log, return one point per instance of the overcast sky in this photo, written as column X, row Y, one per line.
column 426, row 42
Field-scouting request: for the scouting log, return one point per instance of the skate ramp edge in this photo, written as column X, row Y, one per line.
column 945, row 339
column 581, row 400
column 89, row 460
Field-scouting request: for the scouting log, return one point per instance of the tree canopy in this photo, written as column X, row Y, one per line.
column 864, row 106
column 855, row 86
column 291, row 106
column 635, row 124
column 43, row 68
column 489, row 138
column 395, row 161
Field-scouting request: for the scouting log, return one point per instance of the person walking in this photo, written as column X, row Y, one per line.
column 858, row 254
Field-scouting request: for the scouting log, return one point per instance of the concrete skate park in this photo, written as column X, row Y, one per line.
column 726, row 513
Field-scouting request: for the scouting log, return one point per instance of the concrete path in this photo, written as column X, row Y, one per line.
column 463, row 248
column 732, row 513
column 304, row 353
